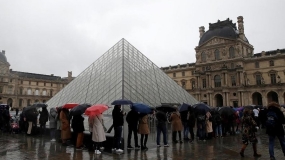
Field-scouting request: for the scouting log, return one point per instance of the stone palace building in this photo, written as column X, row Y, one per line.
column 20, row 89
column 227, row 72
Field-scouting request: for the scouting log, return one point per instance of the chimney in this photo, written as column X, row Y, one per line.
column 240, row 27
column 3, row 52
column 69, row 74
column 51, row 75
column 201, row 30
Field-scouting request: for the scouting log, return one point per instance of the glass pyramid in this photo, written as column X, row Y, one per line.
column 122, row 72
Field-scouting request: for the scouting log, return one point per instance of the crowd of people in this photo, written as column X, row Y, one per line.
column 210, row 124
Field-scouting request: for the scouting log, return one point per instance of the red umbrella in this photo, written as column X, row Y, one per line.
column 70, row 105
column 96, row 109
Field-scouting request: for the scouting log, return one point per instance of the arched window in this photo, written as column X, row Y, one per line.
column 37, row 92
column 217, row 54
column 217, row 80
column 232, row 52
column 203, row 55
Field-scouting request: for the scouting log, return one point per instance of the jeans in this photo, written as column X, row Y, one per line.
column 159, row 130
column 117, row 136
column 201, row 129
column 218, row 130
column 185, row 129
column 271, row 144
column 132, row 129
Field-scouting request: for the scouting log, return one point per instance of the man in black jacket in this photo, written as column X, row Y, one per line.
column 132, row 120
column 161, row 127
column 274, row 127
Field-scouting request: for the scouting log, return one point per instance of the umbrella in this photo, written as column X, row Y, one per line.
column 122, row 102
column 141, row 108
column 70, row 105
column 96, row 109
column 238, row 109
column 166, row 108
column 226, row 111
column 184, row 107
column 80, row 109
column 31, row 111
column 201, row 108
column 39, row 105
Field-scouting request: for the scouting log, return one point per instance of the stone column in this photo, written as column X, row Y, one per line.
column 224, row 98
column 226, row 79
column 242, row 104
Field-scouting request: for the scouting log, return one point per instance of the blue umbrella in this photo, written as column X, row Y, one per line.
column 184, row 107
column 122, row 102
column 141, row 108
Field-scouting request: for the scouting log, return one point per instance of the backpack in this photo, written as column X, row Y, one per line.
column 271, row 120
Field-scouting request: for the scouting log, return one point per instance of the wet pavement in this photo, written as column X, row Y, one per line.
column 22, row 147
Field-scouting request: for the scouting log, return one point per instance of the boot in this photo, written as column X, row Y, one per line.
column 242, row 150
column 255, row 151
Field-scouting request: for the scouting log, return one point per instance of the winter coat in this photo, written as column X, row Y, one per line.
column 248, row 133
column 132, row 119
column 176, row 123
column 52, row 115
column 191, row 119
column 77, row 124
column 143, row 125
column 278, row 129
column 118, row 117
column 65, row 126
column 161, row 119
column 43, row 116
column 209, row 127
column 98, row 133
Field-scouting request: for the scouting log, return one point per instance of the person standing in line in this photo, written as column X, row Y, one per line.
column 65, row 126
column 118, row 122
column 143, row 130
column 132, row 120
column 176, row 126
column 58, row 124
column 185, row 124
column 248, row 134
column 209, row 126
column 43, row 119
column 191, row 122
column 217, row 123
column 274, row 127
column 78, row 128
column 52, row 123
column 161, row 127
column 98, row 133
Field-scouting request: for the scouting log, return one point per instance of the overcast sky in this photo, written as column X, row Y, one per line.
column 57, row 36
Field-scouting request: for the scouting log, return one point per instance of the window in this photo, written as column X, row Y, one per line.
column 233, row 78
column 217, row 54
column 44, row 92
column 271, row 63
column 183, row 73
column 1, row 89
column 10, row 90
column 203, row 56
column 193, row 84
column 174, row 74
column 232, row 52
column 232, row 66
column 204, row 83
column 258, row 79
column 273, row 78
column 183, row 84
column 256, row 64
column 29, row 91
column 37, row 92
column 217, row 80
column 21, row 91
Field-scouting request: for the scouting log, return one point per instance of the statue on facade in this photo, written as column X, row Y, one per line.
column 248, row 82
column 278, row 79
column 262, row 80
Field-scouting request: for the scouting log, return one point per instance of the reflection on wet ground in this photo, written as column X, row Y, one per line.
column 19, row 146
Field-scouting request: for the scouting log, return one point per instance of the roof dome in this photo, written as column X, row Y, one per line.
column 225, row 29
column 3, row 57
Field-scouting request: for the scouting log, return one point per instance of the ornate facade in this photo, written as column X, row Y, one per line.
column 20, row 89
column 228, row 73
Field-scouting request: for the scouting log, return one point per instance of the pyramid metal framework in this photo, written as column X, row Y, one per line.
column 122, row 72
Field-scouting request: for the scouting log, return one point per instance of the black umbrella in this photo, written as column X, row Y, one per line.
column 121, row 102
column 80, row 109
column 226, row 111
column 184, row 107
column 39, row 105
column 166, row 108
column 31, row 111
column 201, row 108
